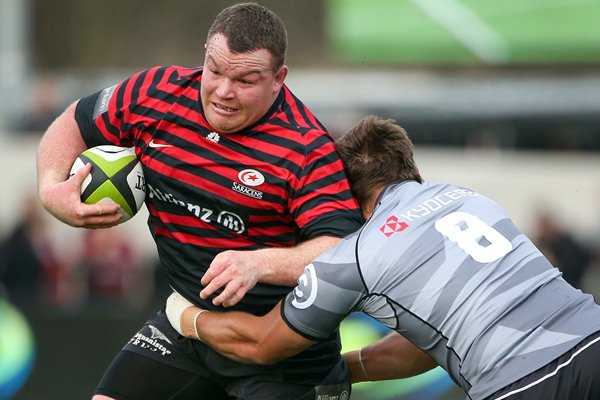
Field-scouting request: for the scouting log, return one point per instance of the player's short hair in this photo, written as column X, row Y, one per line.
column 376, row 152
column 249, row 27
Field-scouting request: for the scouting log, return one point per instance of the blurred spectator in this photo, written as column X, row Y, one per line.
column 33, row 269
column 562, row 249
column 40, row 266
column 115, row 271
column 21, row 253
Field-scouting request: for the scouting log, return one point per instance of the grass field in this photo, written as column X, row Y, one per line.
column 507, row 32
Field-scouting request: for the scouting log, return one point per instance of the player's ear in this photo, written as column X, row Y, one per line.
column 280, row 76
column 369, row 204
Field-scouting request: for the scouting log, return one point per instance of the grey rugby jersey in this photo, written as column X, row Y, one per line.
column 448, row 269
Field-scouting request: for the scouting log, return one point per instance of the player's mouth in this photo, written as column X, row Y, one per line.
column 224, row 108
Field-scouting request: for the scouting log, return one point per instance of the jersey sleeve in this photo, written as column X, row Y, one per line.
column 111, row 116
column 323, row 204
column 329, row 289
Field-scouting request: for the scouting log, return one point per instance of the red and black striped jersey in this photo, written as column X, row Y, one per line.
column 274, row 183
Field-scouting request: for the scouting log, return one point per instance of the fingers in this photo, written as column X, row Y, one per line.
column 63, row 200
column 92, row 215
column 208, row 276
column 235, row 298
column 106, row 211
column 211, row 288
column 98, row 216
column 214, row 270
column 232, row 272
column 103, row 221
column 231, row 294
column 211, row 277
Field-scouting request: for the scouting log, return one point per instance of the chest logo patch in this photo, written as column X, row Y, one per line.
column 213, row 137
column 306, row 291
column 393, row 225
column 251, row 177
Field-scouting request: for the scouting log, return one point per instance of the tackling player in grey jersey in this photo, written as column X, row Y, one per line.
column 449, row 270
column 443, row 267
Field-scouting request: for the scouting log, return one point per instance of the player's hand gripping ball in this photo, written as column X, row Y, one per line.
column 116, row 177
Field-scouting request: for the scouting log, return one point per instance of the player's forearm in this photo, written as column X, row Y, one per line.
column 283, row 265
column 240, row 336
column 237, row 341
column 393, row 357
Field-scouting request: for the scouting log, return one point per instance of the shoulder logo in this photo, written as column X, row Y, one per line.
column 251, row 177
column 104, row 97
column 305, row 292
column 155, row 145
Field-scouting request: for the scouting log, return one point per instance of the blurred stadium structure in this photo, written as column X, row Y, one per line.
column 502, row 97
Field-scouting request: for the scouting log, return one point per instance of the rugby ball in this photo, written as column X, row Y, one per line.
column 116, row 177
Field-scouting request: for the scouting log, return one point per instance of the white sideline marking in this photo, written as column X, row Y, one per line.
column 467, row 28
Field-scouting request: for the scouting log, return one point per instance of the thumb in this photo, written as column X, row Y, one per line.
column 79, row 176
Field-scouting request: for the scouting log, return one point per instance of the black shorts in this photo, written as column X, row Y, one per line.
column 574, row 375
column 158, row 363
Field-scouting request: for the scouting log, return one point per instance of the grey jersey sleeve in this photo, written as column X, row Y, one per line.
column 328, row 290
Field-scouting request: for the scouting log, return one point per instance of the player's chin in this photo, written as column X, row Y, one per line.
column 226, row 122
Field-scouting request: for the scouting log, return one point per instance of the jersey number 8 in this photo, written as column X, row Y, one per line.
column 475, row 237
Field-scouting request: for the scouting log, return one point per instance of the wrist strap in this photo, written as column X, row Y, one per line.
column 195, row 324
column 362, row 366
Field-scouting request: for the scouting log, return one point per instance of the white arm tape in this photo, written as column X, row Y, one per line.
column 176, row 303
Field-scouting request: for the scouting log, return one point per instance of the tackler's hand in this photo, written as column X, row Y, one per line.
column 236, row 272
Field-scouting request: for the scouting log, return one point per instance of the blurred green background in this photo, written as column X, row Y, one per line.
column 465, row 32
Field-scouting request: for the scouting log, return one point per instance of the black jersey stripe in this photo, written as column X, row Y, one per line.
column 273, row 142
column 164, row 99
column 134, row 88
column 158, row 86
column 161, row 79
column 319, row 142
column 298, row 114
column 291, row 110
column 216, row 240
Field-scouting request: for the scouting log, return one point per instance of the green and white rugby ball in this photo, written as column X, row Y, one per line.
column 116, row 177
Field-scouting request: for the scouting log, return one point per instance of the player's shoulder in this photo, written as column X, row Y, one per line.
column 164, row 81
column 294, row 114
column 175, row 74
